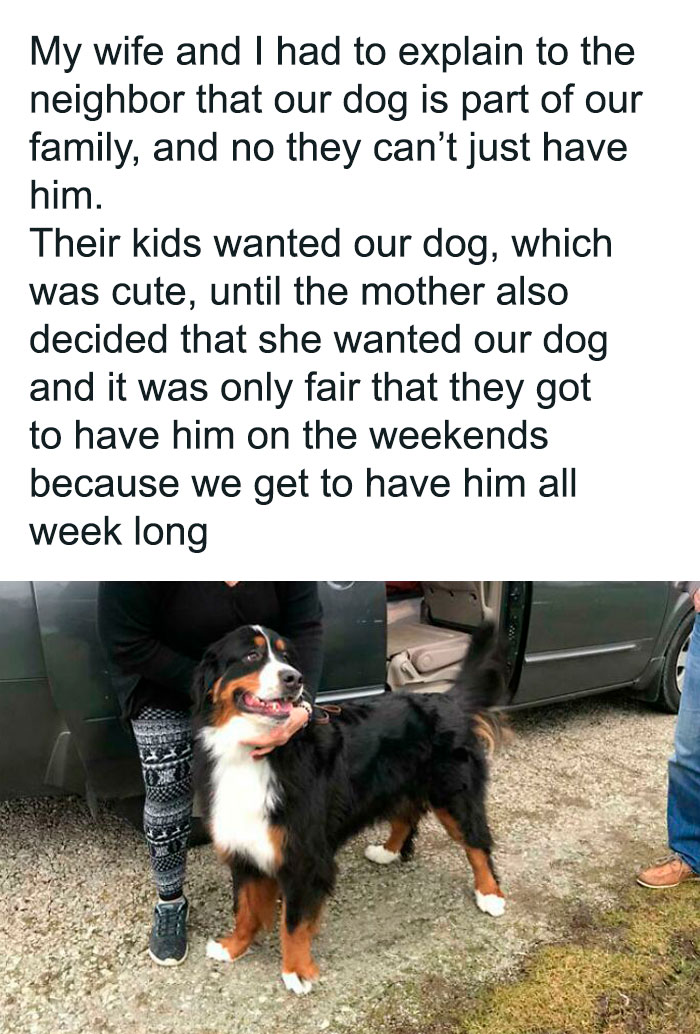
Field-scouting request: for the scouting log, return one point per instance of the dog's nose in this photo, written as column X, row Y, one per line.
column 291, row 680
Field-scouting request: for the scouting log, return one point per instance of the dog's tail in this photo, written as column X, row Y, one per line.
column 481, row 686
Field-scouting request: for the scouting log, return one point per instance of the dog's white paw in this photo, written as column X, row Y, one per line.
column 296, row 984
column 492, row 904
column 380, row 855
column 216, row 950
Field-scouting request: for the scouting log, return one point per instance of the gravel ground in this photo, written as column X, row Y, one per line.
column 577, row 801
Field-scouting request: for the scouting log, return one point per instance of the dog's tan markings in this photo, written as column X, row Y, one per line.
column 278, row 837
column 484, row 880
column 224, row 696
column 398, row 835
column 259, row 640
column 296, row 947
column 486, row 733
column 492, row 729
column 450, row 824
column 280, row 645
column 257, row 909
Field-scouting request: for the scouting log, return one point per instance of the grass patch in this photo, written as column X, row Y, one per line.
column 635, row 971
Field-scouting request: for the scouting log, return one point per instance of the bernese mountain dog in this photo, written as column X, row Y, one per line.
column 279, row 820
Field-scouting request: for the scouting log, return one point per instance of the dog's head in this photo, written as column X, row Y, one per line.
column 250, row 672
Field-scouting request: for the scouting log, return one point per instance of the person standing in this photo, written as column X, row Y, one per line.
column 683, row 777
column 154, row 634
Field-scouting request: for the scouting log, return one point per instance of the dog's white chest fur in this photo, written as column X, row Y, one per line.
column 244, row 793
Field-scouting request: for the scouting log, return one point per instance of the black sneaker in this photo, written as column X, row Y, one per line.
column 168, row 943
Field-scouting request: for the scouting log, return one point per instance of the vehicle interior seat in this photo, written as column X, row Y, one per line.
column 455, row 603
column 424, row 649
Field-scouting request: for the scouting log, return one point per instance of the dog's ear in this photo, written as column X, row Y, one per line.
column 206, row 674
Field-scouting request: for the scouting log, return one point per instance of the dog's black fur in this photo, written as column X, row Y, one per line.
column 395, row 757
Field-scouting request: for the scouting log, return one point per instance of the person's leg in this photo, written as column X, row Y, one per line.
column 164, row 741
column 684, row 765
column 683, row 812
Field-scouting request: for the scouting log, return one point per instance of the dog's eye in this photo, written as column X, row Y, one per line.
column 254, row 655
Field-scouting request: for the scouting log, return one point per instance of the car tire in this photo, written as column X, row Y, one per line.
column 670, row 683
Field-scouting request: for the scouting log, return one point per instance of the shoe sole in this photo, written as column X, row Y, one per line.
column 666, row 886
column 169, row 962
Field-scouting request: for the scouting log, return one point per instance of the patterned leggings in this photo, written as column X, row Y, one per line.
column 164, row 740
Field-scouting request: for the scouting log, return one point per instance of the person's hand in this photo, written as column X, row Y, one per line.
column 696, row 601
column 279, row 734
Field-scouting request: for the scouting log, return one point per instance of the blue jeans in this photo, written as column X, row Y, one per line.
column 684, row 765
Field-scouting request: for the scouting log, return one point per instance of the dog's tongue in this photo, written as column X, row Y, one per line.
column 270, row 707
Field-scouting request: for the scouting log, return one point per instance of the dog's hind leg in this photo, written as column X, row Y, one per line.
column 256, row 908
column 400, row 839
column 487, row 893
column 402, row 835
column 470, row 830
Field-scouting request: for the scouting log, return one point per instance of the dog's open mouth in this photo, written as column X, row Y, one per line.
column 253, row 704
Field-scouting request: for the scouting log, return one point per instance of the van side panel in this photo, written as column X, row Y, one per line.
column 30, row 724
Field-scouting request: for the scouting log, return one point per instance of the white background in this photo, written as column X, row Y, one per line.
column 633, row 445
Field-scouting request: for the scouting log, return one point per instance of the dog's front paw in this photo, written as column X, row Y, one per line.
column 380, row 855
column 296, row 984
column 492, row 904
column 216, row 950
column 228, row 949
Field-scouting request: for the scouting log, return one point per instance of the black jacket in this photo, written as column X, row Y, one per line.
column 154, row 633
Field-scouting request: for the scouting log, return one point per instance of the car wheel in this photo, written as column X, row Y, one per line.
column 673, row 673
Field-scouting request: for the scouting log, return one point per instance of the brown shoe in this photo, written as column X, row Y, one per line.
column 666, row 874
